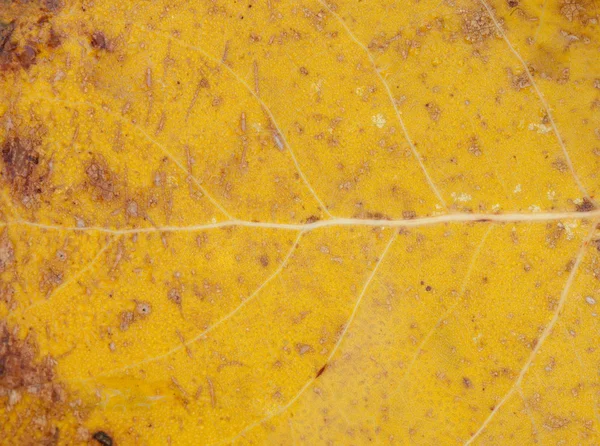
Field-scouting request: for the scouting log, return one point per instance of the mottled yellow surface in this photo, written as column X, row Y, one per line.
column 300, row 222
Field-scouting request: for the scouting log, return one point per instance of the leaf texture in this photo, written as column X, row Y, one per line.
column 299, row 222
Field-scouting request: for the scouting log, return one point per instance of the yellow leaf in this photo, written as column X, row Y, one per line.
column 303, row 222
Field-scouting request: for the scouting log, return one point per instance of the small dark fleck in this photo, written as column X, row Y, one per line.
column 321, row 370
column 467, row 382
column 103, row 438
column 513, row 3
column 303, row 71
column 586, row 206
column 428, row 288
column 483, row 220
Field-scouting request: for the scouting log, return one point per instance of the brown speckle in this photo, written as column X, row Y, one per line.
column 585, row 206
column 54, row 39
column 434, row 111
column 101, row 179
column 21, row 373
column 554, row 422
column 52, row 5
column 143, row 308
column 21, row 169
column 127, row 318
column 174, row 296
column 27, row 56
column 303, row 348
column 264, row 260
column 572, row 10
column 100, row 42
column 467, row 382
column 477, row 26
column 7, row 253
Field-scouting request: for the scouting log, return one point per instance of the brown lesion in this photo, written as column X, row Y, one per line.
column 577, row 10
column 101, row 179
column 26, row 30
column 478, row 26
column 23, row 168
column 29, row 385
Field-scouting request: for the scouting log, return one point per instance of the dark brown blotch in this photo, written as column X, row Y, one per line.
column 21, row 167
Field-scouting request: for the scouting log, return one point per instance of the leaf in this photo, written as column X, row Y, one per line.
column 299, row 222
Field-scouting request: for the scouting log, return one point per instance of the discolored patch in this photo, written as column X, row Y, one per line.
column 101, row 180
column 26, row 30
column 478, row 26
column 574, row 10
column 7, row 252
column 29, row 381
column 21, row 168
column 99, row 41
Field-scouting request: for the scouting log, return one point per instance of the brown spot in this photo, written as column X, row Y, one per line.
column 554, row 422
column 303, row 348
column 434, row 111
column 101, row 179
column 303, row 71
column 312, row 219
column 597, row 242
column 127, row 318
column 21, row 372
column 99, row 41
column 27, row 56
column 6, row 47
column 175, row 296
column 478, row 26
column 409, row 215
column 376, row 216
column 143, row 308
column 7, row 252
column 467, row 382
column 573, row 10
column 560, row 165
column 518, row 81
column 54, row 39
column 585, row 206
column 482, row 220
column 513, row 3
column 264, row 260
column 52, row 5
column 103, row 438
column 21, row 169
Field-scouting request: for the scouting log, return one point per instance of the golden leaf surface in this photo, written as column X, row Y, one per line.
column 299, row 222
